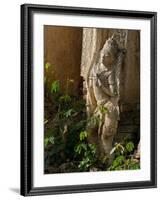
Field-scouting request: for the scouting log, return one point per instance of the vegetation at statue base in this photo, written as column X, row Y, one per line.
column 66, row 146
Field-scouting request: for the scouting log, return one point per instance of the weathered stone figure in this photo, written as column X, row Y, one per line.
column 103, row 96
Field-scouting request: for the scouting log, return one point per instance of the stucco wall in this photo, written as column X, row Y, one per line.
column 131, row 69
column 62, row 49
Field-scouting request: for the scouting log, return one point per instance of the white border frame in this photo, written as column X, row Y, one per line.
column 39, row 178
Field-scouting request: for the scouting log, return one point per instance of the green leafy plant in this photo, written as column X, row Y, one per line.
column 66, row 138
column 69, row 112
column 65, row 98
column 83, row 135
column 123, row 157
column 48, row 140
column 103, row 109
column 47, row 66
column 129, row 147
column 65, row 119
column 86, row 152
column 93, row 120
column 55, row 86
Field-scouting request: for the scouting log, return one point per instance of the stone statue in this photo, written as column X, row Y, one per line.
column 102, row 97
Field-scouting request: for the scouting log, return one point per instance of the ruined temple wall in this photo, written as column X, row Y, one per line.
column 70, row 51
column 93, row 40
column 62, row 49
column 131, row 69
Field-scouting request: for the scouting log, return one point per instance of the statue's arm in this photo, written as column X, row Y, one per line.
column 109, row 91
column 108, row 88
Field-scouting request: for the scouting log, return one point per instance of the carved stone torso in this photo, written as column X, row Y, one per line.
column 102, row 80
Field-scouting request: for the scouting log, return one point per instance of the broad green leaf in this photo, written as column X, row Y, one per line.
column 47, row 65
column 46, row 141
column 69, row 113
column 103, row 109
column 83, row 135
column 55, row 86
column 66, row 98
column 118, row 161
column 52, row 140
column 130, row 146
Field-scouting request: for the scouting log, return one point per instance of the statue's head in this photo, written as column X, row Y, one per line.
column 109, row 52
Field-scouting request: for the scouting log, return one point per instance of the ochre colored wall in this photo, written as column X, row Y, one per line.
column 62, row 49
column 131, row 69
